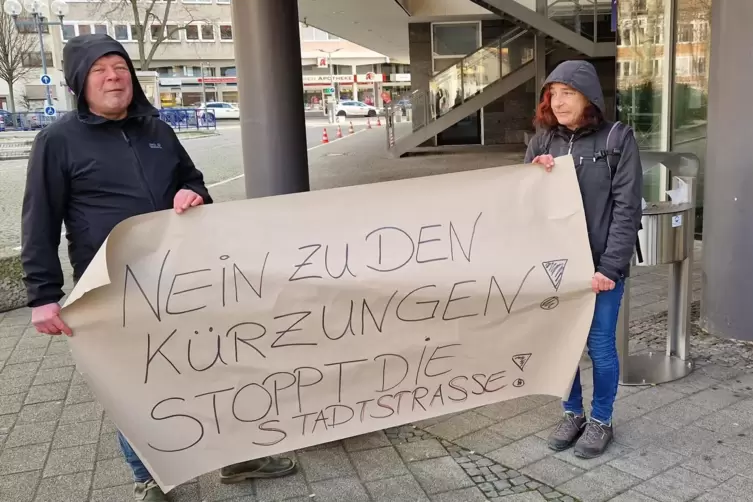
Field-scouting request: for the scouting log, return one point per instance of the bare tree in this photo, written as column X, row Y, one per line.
column 15, row 45
column 25, row 101
column 143, row 15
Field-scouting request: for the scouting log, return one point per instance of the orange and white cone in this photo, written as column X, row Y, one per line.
column 325, row 137
column 379, row 122
column 339, row 132
column 350, row 129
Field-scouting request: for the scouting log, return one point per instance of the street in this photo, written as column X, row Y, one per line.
column 219, row 157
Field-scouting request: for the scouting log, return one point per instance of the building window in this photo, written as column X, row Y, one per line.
column 228, row 71
column 226, row 32
column 685, row 33
column 455, row 39
column 69, row 31
column 34, row 59
column 200, row 32
column 122, row 32
column 73, row 29
column 170, row 33
column 26, row 25
column 207, row 32
column 126, row 32
column 192, row 32
column 196, row 71
column 639, row 83
column 690, row 87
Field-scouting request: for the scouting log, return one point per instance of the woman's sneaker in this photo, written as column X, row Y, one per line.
column 594, row 440
column 148, row 492
column 567, row 432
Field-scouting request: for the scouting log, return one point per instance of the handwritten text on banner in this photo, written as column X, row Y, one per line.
column 257, row 327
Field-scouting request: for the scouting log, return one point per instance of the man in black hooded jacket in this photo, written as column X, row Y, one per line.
column 110, row 159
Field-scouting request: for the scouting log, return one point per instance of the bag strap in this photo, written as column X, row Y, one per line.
column 547, row 141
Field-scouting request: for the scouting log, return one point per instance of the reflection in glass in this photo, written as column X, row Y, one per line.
column 640, row 61
column 691, row 85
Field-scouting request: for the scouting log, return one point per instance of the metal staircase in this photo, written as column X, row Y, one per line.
column 578, row 24
column 472, row 83
column 569, row 28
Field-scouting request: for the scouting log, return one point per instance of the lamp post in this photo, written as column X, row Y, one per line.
column 36, row 8
column 332, row 81
column 203, row 86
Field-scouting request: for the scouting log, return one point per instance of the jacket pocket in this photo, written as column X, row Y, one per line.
column 594, row 173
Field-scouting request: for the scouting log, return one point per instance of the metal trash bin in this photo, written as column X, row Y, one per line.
column 666, row 239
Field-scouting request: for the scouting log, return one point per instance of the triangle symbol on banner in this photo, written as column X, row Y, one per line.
column 555, row 269
column 521, row 360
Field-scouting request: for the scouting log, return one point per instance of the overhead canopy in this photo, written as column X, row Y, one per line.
column 382, row 25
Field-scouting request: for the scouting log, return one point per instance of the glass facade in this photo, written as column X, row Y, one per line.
column 662, row 81
column 692, row 49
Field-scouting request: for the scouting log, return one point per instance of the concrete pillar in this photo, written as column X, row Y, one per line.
column 728, row 178
column 539, row 53
column 273, row 124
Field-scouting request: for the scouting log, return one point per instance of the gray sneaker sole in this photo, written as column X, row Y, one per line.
column 244, row 476
column 587, row 456
column 563, row 447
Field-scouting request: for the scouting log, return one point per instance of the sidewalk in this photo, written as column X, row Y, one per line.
column 687, row 440
column 673, row 442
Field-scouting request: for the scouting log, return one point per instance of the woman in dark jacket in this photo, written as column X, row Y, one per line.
column 570, row 119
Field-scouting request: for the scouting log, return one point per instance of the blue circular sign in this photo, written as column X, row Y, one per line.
column 45, row 79
column 49, row 111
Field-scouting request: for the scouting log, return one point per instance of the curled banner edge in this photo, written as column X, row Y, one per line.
column 96, row 276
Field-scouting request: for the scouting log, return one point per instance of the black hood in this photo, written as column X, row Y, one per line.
column 581, row 76
column 79, row 55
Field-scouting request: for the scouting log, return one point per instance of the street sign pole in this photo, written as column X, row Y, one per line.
column 332, row 100
column 38, row 22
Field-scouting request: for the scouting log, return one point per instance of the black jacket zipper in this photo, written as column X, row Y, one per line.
column 142, row 175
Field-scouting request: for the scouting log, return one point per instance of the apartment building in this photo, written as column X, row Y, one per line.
column 193, row 59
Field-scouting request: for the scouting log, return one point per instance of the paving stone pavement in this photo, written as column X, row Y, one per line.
column 687, row 440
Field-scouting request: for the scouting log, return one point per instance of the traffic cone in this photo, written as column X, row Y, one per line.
column 339, row 132
column 368, row 123
column 379, row 122
column 325, row 138
column 350, row 129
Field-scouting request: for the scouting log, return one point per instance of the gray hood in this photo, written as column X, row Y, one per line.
column 581, row 76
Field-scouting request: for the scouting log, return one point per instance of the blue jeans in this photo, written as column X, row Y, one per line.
column 602, row 349
column 140, row 473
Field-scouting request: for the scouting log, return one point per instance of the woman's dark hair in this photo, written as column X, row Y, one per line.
column 546, row 119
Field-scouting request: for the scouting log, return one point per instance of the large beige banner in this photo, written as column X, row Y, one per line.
column 257, row 327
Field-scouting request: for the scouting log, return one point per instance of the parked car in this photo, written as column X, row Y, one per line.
column 355, row 108
column 222, row 110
